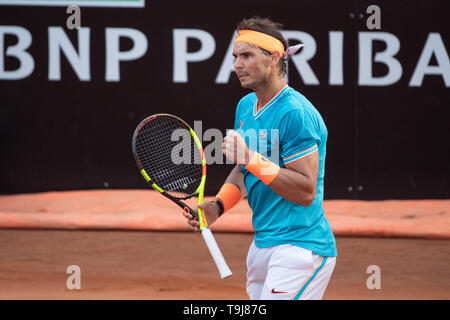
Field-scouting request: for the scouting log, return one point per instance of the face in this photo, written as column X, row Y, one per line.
column 252, row 66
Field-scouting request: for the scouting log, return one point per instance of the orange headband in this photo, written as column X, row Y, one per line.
column 261, row 40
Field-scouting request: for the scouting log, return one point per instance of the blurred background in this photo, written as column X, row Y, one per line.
column 70, row 99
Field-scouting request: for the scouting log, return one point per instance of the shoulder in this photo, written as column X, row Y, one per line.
column 298, row 113
column 247, row 99
column 297, row 105
column 246, row 103
column 290, row 106
column 294, row 100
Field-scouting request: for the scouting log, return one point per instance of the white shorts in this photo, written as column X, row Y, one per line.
column 287, row 272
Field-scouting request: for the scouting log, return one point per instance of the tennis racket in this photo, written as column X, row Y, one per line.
column 170, row 157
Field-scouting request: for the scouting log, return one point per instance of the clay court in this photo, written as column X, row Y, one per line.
column 134, row 245
column 176, row 265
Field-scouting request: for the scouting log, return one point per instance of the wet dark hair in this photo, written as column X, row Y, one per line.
column 267, row 26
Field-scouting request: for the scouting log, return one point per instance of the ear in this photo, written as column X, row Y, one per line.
column 275, row 58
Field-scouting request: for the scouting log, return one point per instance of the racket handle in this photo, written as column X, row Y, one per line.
column 216, row 254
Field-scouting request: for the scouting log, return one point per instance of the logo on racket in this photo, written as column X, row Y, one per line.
column 203, row 220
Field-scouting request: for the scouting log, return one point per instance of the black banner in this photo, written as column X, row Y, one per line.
column 70, row 98
column 225, row 309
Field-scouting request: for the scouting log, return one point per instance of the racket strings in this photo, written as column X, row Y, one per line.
column 169, row 155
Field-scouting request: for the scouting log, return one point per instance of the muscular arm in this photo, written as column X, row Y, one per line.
column 237, row 178
column 297, row 182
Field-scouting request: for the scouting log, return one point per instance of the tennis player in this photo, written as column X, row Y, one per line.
column 294, row 252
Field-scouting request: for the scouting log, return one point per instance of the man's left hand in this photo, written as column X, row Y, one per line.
column 235, row 148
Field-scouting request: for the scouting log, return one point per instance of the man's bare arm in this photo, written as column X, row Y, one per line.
column 297, row 182
column 237, row 178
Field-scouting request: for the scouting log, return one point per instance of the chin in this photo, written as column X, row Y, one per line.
column 246, row 85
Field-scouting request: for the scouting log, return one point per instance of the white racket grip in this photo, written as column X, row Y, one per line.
column 216, row 254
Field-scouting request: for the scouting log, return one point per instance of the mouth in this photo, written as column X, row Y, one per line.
column 241, row 76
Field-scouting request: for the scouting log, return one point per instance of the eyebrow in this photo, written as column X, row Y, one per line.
column 244, row 52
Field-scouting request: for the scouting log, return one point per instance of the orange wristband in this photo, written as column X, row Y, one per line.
column 230, row 196
column 263, row 168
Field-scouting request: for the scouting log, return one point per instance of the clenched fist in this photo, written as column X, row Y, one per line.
column 235, row 148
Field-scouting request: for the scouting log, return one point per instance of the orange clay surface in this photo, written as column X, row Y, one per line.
column 408, row 240
column 147, row 210
column 177, row 265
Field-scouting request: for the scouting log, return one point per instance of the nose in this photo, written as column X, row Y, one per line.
column 238, row 64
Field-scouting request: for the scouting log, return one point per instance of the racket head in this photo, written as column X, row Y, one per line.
column 170, row 156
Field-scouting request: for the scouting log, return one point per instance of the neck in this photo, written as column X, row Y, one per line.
column 267, row 91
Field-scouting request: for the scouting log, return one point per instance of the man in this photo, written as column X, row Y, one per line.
column 294, row 253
